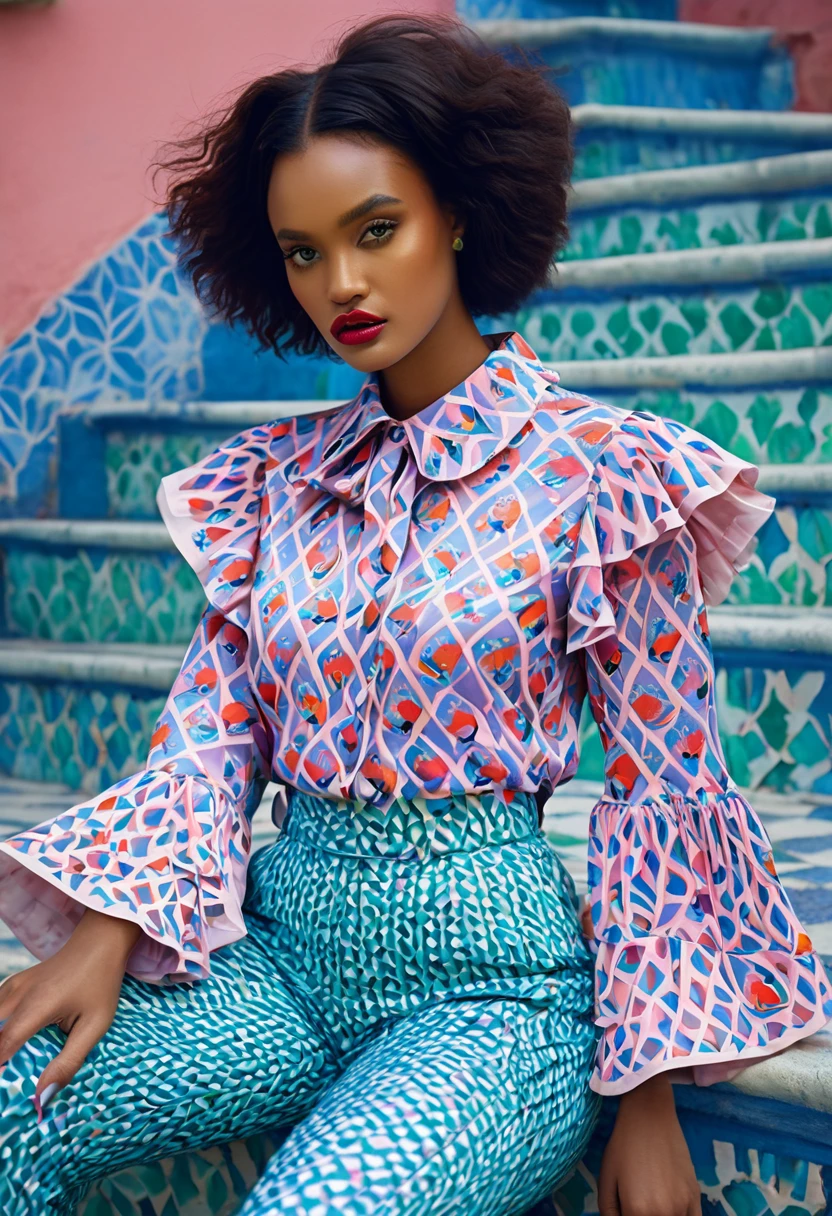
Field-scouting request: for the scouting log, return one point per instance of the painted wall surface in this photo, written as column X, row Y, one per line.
column 91, row 88
column 806, row 28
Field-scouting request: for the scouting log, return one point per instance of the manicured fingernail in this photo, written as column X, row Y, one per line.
column 48, row 1094
column 43, row 1099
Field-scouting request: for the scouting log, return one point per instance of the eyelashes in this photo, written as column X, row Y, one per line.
column 388, row 225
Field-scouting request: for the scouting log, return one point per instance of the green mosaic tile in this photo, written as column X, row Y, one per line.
column 136, row 461
column 714, row 320
column 734, row 1180
column 83, row 736
column 775, row 727
column 698, row 226
column 765, row 426
column 609, row 153
column 97, row 596
column 792, row 563
column 213, row 1182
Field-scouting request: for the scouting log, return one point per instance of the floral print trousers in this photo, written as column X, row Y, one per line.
column 413, row 1004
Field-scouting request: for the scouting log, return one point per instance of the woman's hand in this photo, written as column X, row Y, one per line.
column 646, row 1168
column 76, row 989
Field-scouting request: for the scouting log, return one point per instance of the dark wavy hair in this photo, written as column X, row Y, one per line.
column 493, row 139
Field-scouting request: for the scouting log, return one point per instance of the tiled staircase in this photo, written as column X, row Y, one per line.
column 698, row 284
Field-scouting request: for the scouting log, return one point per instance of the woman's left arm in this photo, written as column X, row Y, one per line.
column 701, row 962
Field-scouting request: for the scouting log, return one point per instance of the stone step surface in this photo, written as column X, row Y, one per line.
column 744, row 298
column 766, row 406
column 616, row 139
column 637, row 61
column 83, row 713
column 780, row 198
column 123, row 580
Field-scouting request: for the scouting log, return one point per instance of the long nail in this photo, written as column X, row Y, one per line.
column 43, row 1099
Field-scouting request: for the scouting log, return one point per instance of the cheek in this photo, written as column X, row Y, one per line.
column 420, row 271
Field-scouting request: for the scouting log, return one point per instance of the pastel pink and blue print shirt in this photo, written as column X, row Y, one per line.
column 418, row 608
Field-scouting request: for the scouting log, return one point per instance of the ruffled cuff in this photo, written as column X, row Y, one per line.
column 701, row 961
column 654, row 477
column 146, row 850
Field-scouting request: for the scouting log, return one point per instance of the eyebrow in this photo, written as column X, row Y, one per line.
column 354, row 213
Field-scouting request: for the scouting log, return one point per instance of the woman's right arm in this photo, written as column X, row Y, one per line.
column 149, row 876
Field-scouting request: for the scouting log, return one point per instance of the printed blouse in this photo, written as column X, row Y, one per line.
column 419, row 608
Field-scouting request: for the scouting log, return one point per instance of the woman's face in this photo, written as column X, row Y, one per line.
column 393, row 260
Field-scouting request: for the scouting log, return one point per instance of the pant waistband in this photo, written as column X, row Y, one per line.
column 414, row 828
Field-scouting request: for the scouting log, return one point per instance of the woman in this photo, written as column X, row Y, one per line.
column 408, row 597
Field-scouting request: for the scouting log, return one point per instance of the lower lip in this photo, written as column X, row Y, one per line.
column 352, row 337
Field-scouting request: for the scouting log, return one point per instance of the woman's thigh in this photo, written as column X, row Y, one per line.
column 181, row 1067
column 466, row 1107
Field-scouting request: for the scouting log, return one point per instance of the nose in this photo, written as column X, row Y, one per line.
column 347, row 285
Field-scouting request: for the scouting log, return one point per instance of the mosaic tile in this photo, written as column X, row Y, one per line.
column 775, row 728
column 706, row 321
column 130, row 329
column 136, row 461
column 765, row 426
column 79, row 735
column 601, row 153
column 613, row 71
column 93, row 595
column 657, row 10
column 699, row 226
column 734, row 1180
column 793, row 560
column 94, row 340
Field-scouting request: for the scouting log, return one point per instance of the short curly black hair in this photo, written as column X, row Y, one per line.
column 493, row 139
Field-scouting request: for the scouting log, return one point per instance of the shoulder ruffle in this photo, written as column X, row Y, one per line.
column 212, row 512
column 654, row 476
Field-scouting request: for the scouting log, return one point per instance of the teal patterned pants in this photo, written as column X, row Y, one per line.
column 412, row 1004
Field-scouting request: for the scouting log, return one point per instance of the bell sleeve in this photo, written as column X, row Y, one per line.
column 701, row 961
column 168, row 847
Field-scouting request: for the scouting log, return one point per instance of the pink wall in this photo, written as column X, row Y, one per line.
column 89, row 90
column 805, row 26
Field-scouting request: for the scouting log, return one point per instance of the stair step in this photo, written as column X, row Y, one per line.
column 474, row 10
column 618, row 139
column 740, row 299
column 774, row 198
column 119, row 581
column 83, row 713
column 767, row 406
column 765, row 261
column 640, row 61
column 789, row 174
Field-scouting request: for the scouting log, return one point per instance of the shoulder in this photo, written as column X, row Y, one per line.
column 213, row 509
column 651, row 475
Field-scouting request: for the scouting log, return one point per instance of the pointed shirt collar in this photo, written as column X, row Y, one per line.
column 449, row 438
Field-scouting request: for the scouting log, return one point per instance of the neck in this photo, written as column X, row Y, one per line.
column 441, row 361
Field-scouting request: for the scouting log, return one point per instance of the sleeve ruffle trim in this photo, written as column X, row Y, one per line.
column 212, row 511
column 653, row 477
column 145, row 850
column 701, row 961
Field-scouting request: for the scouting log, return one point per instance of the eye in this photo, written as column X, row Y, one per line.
column 381, row 231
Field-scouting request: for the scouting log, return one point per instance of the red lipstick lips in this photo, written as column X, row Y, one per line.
column 356, row 326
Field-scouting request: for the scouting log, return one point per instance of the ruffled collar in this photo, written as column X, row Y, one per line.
column 449, row 438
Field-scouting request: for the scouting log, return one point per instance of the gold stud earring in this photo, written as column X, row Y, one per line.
column 457, row 245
